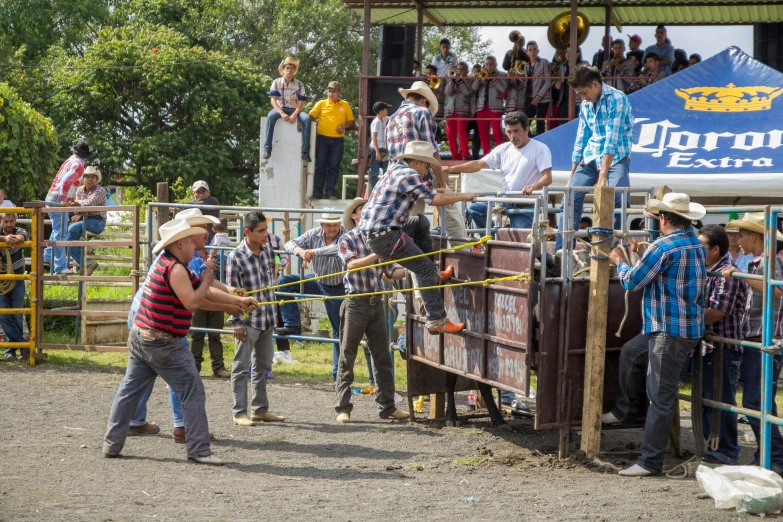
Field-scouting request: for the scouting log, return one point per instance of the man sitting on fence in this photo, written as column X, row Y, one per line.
column 89, row 194
column 168, row 299
column 12, row 295
column 386, row 214
column 751, row 233
column 671, row 273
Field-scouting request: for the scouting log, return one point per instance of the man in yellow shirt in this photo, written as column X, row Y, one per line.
column 334, row 117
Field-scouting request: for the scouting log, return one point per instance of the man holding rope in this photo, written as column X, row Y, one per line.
column 386, row 213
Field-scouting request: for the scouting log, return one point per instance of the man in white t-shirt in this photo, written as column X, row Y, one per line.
column 526, row 165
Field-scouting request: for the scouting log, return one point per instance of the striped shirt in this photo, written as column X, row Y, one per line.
column 244, row 269
column 409, row 123
column 288, row 94
column 70, row 173
column 352, row 246
column 393, row 197
column 605, row 127
column 17, row 254
column 160, row 308
column 95, row 198
column 728, row 295
column 672, row 274
column 752, row 326
column 326, row 260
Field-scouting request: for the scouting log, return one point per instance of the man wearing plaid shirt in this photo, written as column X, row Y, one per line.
column 671, row 272
column 602, row 151
column 287, row 95
column 251, row 266
column 360, row 316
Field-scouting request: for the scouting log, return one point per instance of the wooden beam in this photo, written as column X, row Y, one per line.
column 598, row 305
column 437, row 405
column 431, row 17
column 161, row 213
column 613, row 15
column 607, row 29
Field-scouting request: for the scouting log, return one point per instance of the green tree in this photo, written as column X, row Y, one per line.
column 157, row 109
column 28, row 148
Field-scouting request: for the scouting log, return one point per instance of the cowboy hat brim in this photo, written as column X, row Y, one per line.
column 428, row 159
column 202, row 220
column 695, row 211
column 347, row 220
column 192, row 231
column 427, row 93
column 329, row 221
column 751, row 226
column 285, row 62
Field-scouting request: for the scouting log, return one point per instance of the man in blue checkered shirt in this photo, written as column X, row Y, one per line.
column 386, row 214
column 672, row 275
column 602, row 151
column 365, row 315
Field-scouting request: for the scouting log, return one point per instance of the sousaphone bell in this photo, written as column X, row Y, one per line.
column 559, row 32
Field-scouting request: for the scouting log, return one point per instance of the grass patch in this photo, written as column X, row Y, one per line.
column 472, row 461
column 378, row 430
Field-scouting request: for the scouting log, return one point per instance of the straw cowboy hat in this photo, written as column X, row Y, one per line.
column 330, row 217
column 423, row 89
column 92, row 171
column 677, row 203
column 288, row 61
column 173, row 231
column 419, row 150
column 195, row 217
column 347, row 220
column 752, row 221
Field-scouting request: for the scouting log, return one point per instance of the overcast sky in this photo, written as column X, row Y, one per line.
column 705, row 40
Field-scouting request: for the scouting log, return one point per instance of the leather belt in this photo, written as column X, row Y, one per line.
column 152, row 335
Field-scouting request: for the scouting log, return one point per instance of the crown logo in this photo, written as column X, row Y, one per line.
column 729, row 99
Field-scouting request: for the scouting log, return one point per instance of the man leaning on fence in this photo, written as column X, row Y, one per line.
column 12, row 292
column 751, row 234
column 673, row 323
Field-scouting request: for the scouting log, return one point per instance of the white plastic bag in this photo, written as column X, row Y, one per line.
column 749, row 489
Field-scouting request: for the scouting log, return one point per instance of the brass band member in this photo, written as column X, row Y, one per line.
column 458, row 109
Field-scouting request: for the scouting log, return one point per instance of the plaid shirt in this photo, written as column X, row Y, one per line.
column 604, row 128
column 672, row 274
column 726, row 295
column 326, row 260
column 392, row 198
column 246, row 270
column 368, row 280
column 96, row 198
column 288, row 94
column 752, row 326
column 409, row 123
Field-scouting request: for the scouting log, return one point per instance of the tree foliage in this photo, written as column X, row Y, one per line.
column 28, row 148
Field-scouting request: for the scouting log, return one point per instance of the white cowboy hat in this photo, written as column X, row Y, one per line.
column 347, row 219
column 753, row 221
column 174, row 231
column 423, row 89
column 92, row 171
column 677, row 203
column 329, row 217
column 419, row 150
column 288, row 61
column 195, row 217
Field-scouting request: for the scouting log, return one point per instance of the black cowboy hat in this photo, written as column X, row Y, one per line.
column 82, row 149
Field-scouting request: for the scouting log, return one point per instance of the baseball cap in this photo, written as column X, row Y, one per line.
column 199, row 184
column 635, row 38
column 334, row 86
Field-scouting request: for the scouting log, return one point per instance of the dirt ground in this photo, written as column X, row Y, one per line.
column 308, row 468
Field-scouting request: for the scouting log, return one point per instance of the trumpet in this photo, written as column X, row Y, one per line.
column 434, row 82
column 483, row 73
column 453, row 73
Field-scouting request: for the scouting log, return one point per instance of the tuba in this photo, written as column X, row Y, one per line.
column 434, row 83
column 559, row 32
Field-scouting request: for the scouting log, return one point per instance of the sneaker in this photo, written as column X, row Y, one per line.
column 344, row 418
column 609, row 418
column 369, row 390
column 211, row 460
column 89, row 269
column 446, row 327
column 266, row 154
column 306, row 157
column 149, row 428
column 267, row 417
column 243, row 420
column 222, row 374
column 10, row 357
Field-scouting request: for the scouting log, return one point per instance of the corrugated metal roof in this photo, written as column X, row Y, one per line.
column 541, row 12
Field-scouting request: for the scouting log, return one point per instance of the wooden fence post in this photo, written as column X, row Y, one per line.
column 595, row 354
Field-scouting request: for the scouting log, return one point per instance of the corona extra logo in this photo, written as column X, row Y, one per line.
column 729, row 99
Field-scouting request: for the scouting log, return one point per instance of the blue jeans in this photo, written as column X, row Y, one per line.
column 12, row 324
column 59, row 233
column 75, row 230
column 375, row 168
column 728, row 448
column 587, row 176
column 328, row 155
column 273, row 116
column 751, row 398
column 140, row 418
column 478, row 213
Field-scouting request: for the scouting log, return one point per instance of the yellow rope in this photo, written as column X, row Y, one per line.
column 376, row 265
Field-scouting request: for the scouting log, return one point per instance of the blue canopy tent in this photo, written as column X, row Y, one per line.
column 712, row 130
